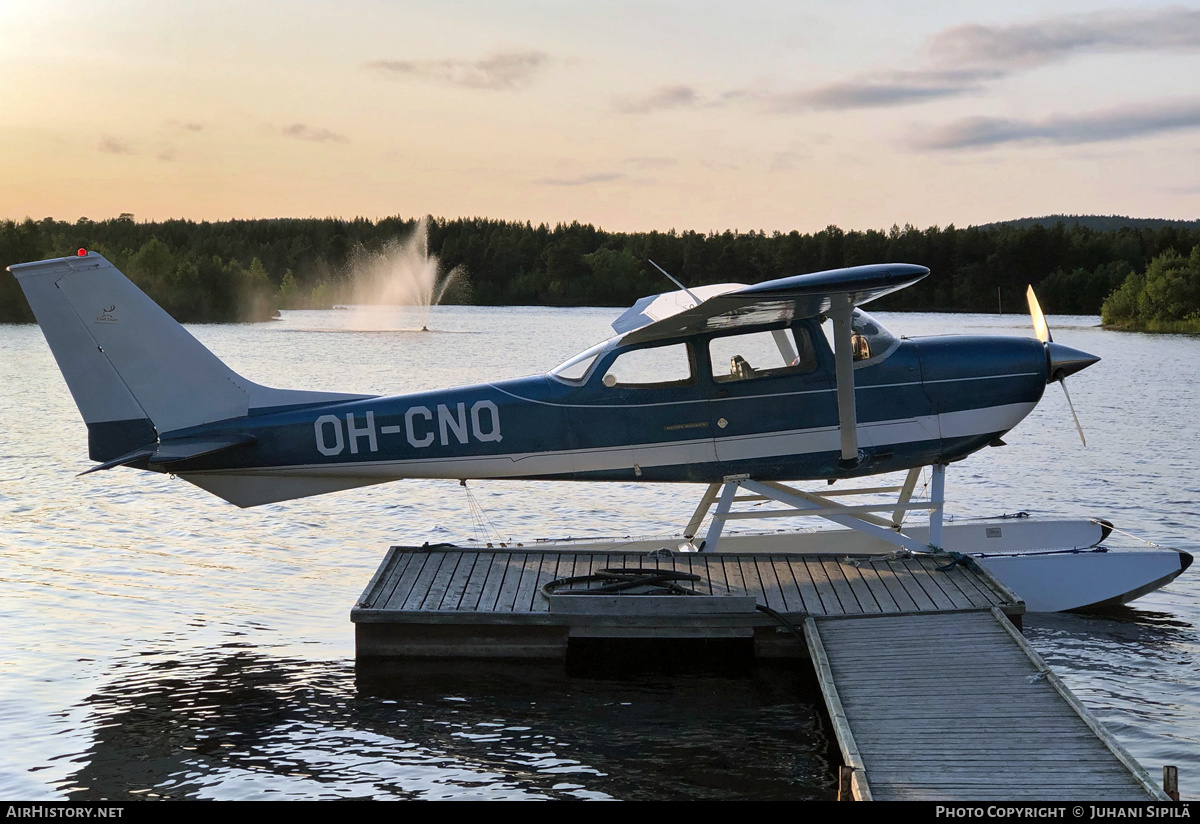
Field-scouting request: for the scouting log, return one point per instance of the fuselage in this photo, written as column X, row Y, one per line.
column 693, row 409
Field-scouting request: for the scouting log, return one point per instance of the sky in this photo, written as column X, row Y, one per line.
column 633, row 116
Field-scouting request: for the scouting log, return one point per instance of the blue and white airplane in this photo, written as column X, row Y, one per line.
column 729, row 385
column 696, row 386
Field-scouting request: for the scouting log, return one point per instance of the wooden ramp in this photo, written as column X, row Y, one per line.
column 959, row 707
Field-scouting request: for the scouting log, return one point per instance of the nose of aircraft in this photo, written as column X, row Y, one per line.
column 1066, row 361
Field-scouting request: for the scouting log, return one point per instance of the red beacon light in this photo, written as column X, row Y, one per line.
column 81, row 253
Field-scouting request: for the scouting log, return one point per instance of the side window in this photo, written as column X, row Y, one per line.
column 761, row 354
column 656, row 366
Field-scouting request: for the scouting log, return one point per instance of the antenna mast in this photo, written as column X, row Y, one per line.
column 677, row 283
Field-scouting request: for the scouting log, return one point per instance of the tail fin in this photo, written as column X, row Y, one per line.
column 134, row 372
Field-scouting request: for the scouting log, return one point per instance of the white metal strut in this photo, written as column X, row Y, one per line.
column 800, row 503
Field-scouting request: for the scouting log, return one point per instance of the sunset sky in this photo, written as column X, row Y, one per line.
column 629, row 115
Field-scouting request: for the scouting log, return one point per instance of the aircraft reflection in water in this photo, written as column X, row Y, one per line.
column 723, row 384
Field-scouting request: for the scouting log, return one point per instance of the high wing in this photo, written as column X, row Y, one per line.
column 726, row 305
column 834, row 293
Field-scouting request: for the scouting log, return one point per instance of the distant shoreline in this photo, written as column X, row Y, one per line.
column 239, row 270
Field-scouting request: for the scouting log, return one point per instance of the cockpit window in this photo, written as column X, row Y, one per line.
column 869, row 339
column 575, row 369
column 653, row 366
column 761, row 354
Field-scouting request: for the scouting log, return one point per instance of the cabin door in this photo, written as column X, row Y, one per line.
column 770, row 390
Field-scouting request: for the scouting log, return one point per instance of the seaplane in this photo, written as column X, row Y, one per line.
column 747, row 389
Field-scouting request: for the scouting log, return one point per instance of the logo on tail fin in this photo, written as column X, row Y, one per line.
column 108, row 315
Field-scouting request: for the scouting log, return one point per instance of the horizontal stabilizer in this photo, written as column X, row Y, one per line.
column 121, row 460
column 182, row 449
column 175, row 450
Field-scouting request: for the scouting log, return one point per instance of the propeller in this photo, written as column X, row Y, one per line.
column 1061, row 360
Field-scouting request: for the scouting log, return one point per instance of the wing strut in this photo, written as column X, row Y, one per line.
column 843, row 360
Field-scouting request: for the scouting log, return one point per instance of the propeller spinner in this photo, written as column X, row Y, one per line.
column 1061, row 360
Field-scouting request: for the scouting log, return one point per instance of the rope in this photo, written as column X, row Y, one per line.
column 1138, row 538
column 622, row 580
column 956, row 559
column 480, row 522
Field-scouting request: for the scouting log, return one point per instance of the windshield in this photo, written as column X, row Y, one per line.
column 869, row 337
column 575, row 369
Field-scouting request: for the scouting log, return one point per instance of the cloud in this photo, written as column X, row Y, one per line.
column 789, row 159
column 874, row 91
column 583, row 180
column 668, row 97
column 1114, row 124
column 187, row 127
column 113, row 145
column 302, row 131
column 499, row 72
column 962, row 60
column 1030, row 45
column 651, row 162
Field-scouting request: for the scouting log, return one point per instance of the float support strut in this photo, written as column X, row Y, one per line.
column 800, row 503
column 937, row 496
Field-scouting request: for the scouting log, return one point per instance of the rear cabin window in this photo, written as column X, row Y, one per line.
column 657, row 366
column 761, row 354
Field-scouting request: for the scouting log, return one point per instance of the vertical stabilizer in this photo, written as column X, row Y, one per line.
column 133, row 370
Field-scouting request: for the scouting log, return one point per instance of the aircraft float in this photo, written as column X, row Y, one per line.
column 729, row 385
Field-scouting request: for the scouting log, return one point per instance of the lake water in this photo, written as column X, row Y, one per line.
column 162, row 643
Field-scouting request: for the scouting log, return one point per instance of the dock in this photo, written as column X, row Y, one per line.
column 932, row 690
column 449, row 601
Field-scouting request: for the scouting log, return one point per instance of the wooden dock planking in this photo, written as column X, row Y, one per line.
column 476, row 581
column 879, row 588
column 380, row 588
column 408, row 578
column 490, row 594
column 964, row 584
column 942, row 706
column 413, row 581
column 550, row 571
column 718, row 576
column 807, row 588
column 763, row 589
column 916, row 593
column 891, row 582
column 458, row 582
column 776, row 597
column 919, row 578
column 441, row 581
column 830, row 603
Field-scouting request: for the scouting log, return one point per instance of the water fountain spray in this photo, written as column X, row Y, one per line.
column 401, row 272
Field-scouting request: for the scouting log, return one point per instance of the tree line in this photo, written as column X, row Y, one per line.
column 247, row 269
column 1163, row 298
